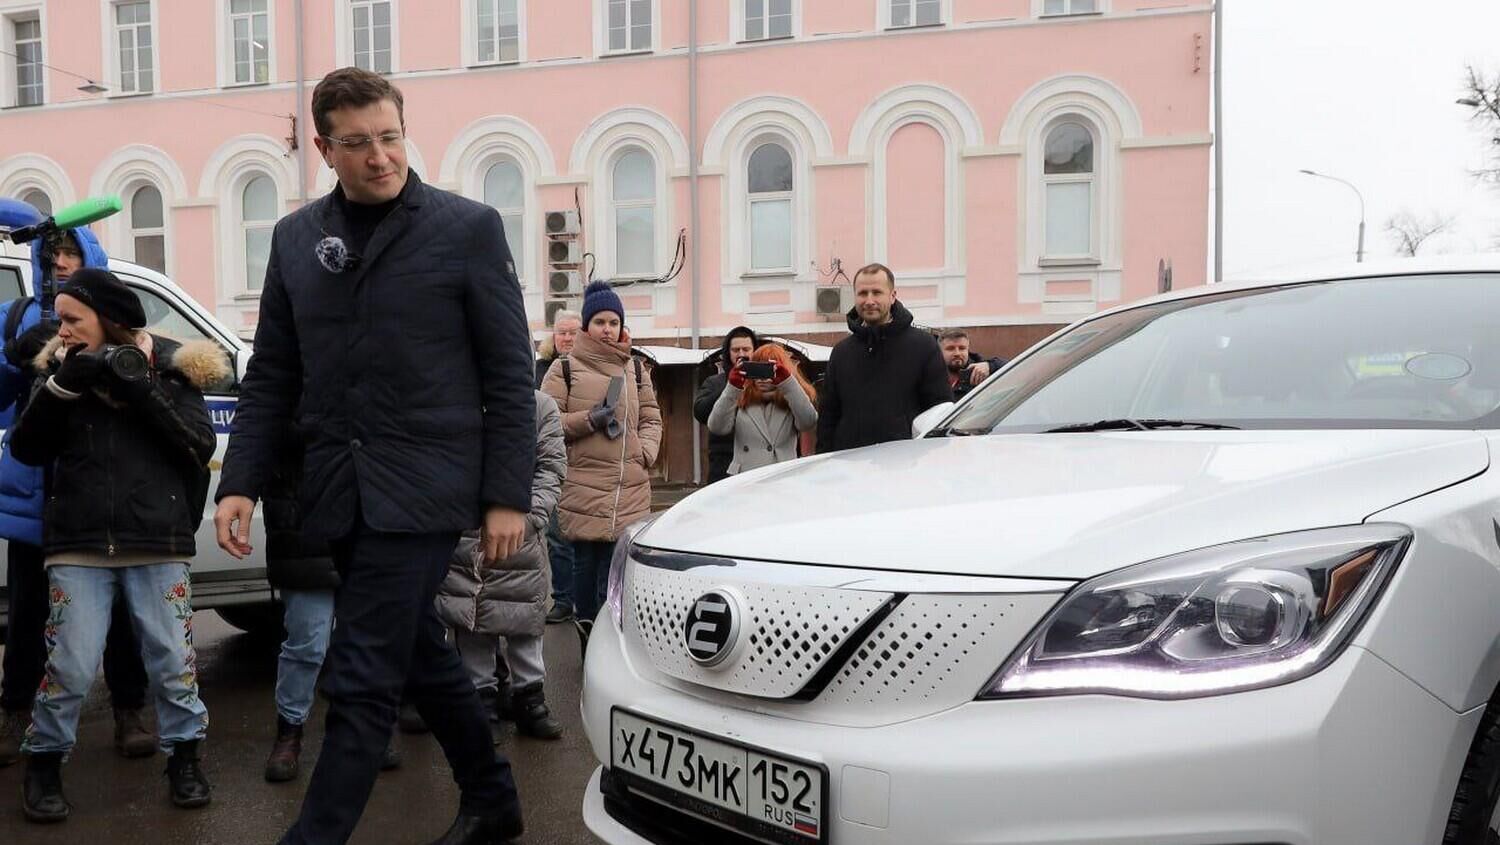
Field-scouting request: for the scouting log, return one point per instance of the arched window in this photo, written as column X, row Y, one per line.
column 770, row 195
column 148, row 231
column 633, row 207
column 39, row 200
column 257, row 221
column 1069, row 188
column 505, row 191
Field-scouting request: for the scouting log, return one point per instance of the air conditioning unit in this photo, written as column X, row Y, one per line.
column 562, row 223
column 830, row 300
column 552, row 306
column 564, row 252
column 564, row 283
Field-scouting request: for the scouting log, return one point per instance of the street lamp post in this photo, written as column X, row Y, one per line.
column 1359, row 252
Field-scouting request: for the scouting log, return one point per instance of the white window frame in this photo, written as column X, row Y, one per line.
column 527, row 209
column 111, row 40
column 242, row 226
column 470, row 31
column 1039, row 9
column 343, row 31
column 883, row 7
column 737, row 23
column 9, row 62
column 611, row 262
column 789, row 197
column 132, row 231
column 37, row 189
column 601, row 31
column 1092, row 179
column 226, row 46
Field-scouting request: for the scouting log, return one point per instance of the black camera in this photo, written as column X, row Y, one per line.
column 127, row 362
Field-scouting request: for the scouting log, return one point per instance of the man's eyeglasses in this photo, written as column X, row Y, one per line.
column 361, row 143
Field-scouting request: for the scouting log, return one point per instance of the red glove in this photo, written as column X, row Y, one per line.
column 782, row 374
column 737, row 377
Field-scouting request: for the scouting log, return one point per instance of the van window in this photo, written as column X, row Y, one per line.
column 10, row 283
column 164, row 318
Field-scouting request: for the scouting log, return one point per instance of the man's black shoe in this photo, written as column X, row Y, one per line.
column 188, row 786
column 390, row 758
column 42, row 791
column 559, row 613
column 482, row 830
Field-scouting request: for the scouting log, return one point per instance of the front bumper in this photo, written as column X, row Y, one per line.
column 1354, row 754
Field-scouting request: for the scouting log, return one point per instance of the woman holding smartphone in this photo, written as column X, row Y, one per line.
column 766, row 405
column 612, row 426
column 123, row 435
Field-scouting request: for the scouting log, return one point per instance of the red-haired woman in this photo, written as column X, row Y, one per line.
column 765, row 415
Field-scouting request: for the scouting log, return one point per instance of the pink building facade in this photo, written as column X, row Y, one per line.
column 1016, row 162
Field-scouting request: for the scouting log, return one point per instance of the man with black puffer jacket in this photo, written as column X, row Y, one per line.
column 883, row 375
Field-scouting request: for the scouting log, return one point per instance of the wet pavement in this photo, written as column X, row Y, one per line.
column 125, row 801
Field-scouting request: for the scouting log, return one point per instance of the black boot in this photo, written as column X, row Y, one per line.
column 390, row 758
column 42, row 790
column 410, row 721
column 282, row 765
column 188, row 787
column 529, row 705
column 482, row 830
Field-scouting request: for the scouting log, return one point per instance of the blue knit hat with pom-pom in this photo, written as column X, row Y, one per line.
column 600, row 296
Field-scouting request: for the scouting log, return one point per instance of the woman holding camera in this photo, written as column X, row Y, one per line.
column 612, row 426
column 765, row 405
column 123, row 434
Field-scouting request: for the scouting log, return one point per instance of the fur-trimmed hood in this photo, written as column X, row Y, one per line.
column 201, row 362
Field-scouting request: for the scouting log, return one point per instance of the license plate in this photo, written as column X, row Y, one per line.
column 768, row 796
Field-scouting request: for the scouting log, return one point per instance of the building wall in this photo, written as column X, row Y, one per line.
column 917, row 147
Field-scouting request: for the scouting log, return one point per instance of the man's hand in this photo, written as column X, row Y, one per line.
column 232, row 521
column 22, row 349
column 979, row 372
column 504, row 531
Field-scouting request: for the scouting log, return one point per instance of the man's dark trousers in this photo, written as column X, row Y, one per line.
column 26, row 641
column 389, row 637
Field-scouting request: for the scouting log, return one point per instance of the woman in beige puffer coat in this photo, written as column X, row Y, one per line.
column 610, row 449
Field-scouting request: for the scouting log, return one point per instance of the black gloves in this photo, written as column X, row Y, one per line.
column 22, row 349
column 80, row 370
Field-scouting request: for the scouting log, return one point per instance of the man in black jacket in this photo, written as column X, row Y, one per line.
column 391, row 322
column 737, row 346
column 966, row 368
column 883, row 375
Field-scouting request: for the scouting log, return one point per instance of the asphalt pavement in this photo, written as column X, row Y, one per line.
column 125, row 801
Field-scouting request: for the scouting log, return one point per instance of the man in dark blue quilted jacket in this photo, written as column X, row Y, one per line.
column 392, row 327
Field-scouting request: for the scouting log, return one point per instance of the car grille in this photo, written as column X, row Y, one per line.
column 792, row 631
column 832, row 654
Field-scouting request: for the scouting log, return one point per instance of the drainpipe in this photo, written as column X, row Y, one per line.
column 297, row 111
column 1218, row 141
column 694, row 211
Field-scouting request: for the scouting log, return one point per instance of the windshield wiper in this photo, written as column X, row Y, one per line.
column 1127, row 424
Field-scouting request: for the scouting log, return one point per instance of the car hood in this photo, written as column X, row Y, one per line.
column 1066, row 506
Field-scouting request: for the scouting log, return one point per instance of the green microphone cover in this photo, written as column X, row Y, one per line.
column 86, row 212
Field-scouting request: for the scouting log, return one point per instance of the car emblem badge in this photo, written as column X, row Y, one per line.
column 712, row 628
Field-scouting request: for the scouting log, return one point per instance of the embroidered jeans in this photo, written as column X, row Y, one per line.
column 159, row 598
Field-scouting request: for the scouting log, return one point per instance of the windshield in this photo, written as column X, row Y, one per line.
column 1414, row 351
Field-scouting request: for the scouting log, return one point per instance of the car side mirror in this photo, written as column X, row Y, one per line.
column 928, row 419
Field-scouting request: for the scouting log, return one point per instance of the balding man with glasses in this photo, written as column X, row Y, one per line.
column 392, row 330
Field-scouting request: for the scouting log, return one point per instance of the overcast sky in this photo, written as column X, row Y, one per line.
column 1364, row 90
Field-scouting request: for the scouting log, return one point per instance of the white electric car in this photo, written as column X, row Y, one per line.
column 1216, row 568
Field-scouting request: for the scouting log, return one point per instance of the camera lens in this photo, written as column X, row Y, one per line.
column 128, row 363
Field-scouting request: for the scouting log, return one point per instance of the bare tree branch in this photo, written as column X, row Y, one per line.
column 1408, row 231
column 1482, row 94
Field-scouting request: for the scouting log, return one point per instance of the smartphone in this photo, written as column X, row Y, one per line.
column 758, row 370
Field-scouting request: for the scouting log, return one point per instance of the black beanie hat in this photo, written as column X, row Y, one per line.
column 103, row 291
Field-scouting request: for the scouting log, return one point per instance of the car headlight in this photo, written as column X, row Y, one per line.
column 1239, row 616
column 615, row 589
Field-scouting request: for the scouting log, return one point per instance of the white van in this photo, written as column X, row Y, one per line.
column 237, row 589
